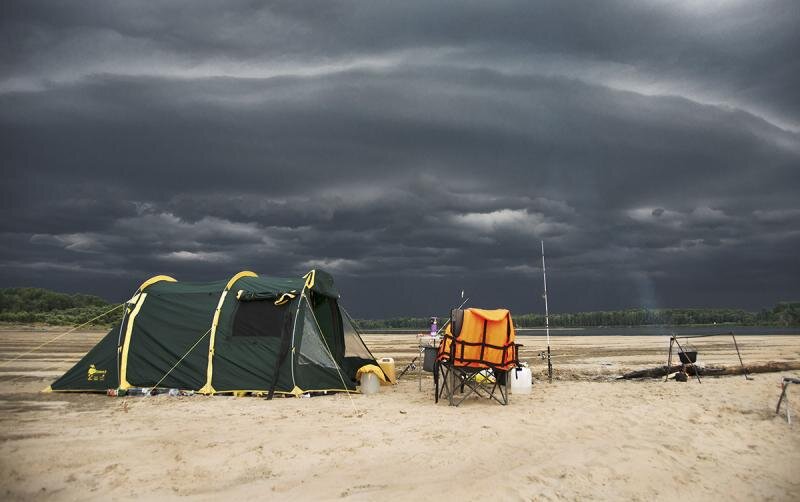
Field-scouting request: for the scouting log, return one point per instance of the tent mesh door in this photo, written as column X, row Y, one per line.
column 312, row 347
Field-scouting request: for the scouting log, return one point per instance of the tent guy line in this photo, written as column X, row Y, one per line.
column 71, row 330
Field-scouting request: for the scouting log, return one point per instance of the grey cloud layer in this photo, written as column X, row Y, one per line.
column 737, row 53
column 408, row 149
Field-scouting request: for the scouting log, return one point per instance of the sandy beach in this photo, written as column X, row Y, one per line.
column 584, row 436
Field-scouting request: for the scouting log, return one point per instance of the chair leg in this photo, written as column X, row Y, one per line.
column 454, row 378
column 471, row 384
column 447, row 383
column 503, row 390
column 450, row 384
column 436, row 382
column 444, row 390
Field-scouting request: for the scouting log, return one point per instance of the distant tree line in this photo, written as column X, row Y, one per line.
column 783, row 314
column 35, row 305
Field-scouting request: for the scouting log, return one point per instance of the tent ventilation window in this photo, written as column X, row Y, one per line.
column 261, row 318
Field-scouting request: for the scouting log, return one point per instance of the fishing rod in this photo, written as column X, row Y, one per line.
column 451, row 318
column 546, row 319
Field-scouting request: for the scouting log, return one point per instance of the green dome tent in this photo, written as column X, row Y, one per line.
column 251, row 334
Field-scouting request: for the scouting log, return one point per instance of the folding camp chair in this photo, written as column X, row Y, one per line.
column 476, row 352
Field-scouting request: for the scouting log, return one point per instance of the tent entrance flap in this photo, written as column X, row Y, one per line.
column 356, row 352
column 315, row 365
column 354, row 345
column 313, row 348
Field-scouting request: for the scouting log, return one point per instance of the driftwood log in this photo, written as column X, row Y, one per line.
column 661, row 371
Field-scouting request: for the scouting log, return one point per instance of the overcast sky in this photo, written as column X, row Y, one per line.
column 412, row 149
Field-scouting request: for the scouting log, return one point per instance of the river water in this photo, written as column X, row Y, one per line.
column 661, row 330
column 632, row 330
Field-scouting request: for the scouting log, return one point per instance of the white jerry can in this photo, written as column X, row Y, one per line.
column 521, row 380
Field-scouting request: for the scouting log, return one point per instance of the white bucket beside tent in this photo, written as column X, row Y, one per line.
column 369, row 383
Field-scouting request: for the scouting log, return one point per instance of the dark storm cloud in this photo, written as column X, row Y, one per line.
column 412, row 149
column 725, row 51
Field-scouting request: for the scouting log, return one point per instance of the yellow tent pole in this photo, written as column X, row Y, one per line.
column 124, row 350
column 208, row 388
column 123, row 369
column 153, row 280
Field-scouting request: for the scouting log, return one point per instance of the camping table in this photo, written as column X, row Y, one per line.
column 425, row 341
